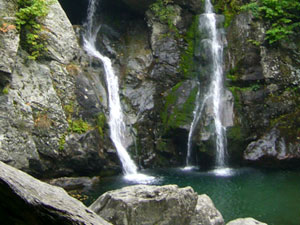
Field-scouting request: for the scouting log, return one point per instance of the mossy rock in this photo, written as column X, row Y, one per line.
column 179, row 105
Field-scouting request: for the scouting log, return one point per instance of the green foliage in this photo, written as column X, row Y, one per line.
column 62, row 142
column 165, row 12
column 78, row 126
column 28, row 22
column 5, row 90
column 282, row 15
column 229, row 8
column 101, row 121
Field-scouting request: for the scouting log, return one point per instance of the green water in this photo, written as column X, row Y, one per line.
column 267, row 195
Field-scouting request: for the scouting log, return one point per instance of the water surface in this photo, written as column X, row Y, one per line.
column 271, row 196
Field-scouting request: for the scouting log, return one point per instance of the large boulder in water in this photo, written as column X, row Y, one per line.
column 26, row 200
column 143, row 204
column 245, row 221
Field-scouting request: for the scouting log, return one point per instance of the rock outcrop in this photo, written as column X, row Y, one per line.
column 146, row 204
column 51, row 122
column 245, row 221
column 25, row 200
column 264, row 81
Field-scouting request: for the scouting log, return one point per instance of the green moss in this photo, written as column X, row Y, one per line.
column 165, row 12
column 69, row 109
column 169, row 101
column 78, row 126
column 62, row 142
column 235, row 133
column 176, row 115
column 5, row 90
column 229, row 8
column 187, row 62
column 289, row 125
column 101, row 121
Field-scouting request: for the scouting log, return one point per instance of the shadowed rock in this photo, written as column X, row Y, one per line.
column 26, row 200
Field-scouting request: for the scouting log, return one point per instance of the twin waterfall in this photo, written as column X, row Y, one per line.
column 116, row 117
column 208, row 25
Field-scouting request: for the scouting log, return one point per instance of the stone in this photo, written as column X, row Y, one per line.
column 26, row 200
column 9, row 36
column 61, row 40
column 271, row 145
column 74, row 183
column 147, row 204
column 245, row 221
column 206, row 213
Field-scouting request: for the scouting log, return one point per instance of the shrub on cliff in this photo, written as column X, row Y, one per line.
column 283, row 17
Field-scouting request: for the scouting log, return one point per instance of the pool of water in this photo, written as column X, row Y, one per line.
column 271, row 196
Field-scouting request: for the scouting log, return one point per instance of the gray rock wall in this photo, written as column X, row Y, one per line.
column 264, row 81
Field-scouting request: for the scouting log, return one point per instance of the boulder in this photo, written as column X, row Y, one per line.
column 245, row 221
column 26, row 200
column 206, row 212
column 61, row 41
column 143, row 204
column 271, row 145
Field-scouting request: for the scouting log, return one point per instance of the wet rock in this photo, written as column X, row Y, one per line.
column 39, row 202
column 245, row 221
column 146, row 204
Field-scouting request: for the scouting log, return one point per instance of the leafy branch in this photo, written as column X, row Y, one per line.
column 29, row 17
column 283, row 16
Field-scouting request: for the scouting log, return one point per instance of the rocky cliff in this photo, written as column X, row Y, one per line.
column 53, row 110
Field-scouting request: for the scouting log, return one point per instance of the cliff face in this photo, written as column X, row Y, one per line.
column 265, row 82
column 43, row 129
column 53, row 110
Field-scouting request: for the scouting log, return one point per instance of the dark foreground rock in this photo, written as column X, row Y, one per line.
column 26, row 200
column 245, row 221
column 146, row 204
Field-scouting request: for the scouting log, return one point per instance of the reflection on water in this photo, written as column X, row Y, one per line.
column 267, row 195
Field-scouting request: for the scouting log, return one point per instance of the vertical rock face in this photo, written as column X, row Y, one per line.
column 264, row 81
column 44, row 129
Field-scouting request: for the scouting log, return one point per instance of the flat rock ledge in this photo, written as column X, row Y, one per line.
column 28, row 201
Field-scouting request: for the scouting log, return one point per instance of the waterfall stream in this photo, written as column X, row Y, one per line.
column 208, row 25
column 116, row 117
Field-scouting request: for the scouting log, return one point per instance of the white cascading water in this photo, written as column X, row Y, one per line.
column 208, row 24
column 216, row 87
column 116, row 117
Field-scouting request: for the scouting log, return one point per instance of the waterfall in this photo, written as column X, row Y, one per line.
column 116, row 117
column 208, row 25
column 216, row 87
